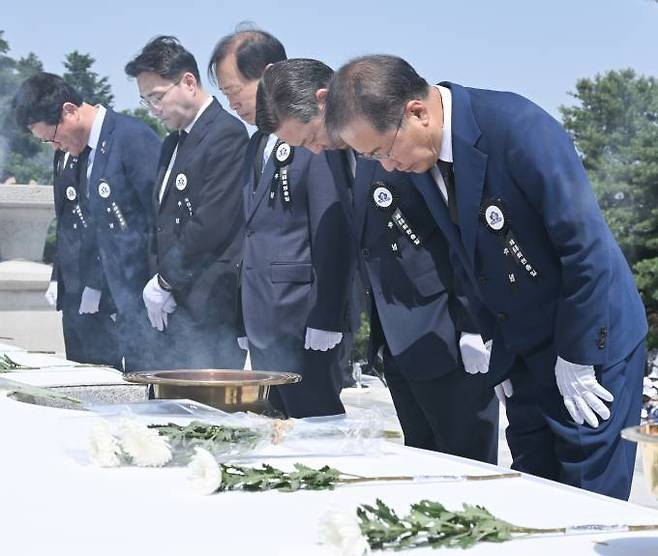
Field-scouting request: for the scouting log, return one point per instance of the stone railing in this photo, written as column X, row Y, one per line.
column 25, row 214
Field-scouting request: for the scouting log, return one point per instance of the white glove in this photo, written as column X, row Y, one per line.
column 503, row 391
column 475, row 354
column 89, row 302
column 159, row 303
column 243, row 343
column 51, row 294
column 322, row 340
column 581, row 392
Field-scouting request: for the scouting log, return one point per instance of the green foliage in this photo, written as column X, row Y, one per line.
column 78, row 74
column 615, row 128
column 266, row 477
column 430, row 524
column 144, row 115
column 214, row 438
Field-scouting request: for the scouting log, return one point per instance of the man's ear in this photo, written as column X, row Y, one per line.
column 321, row 98
column 417, row 109
column 69, row 110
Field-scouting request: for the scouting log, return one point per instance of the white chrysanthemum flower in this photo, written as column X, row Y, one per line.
column 145, row 446
column 340, row 531
column 104, row 449
column 204, row 472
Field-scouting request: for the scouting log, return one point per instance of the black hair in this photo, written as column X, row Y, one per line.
column 40, row 99
column 165, row 56
column 254, row 51
column 287, row 90
column 375, row 88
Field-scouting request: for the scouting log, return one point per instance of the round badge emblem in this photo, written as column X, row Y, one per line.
column 71, row 193
column 104, row 190
column 383, row 196
column 181, row 182
column 494, row 217
column 283, row 154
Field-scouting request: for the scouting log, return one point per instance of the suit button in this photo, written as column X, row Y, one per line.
column 502, row 316
column 159, row 229
column 250, row 233
column 365, row 252
column 482, row 279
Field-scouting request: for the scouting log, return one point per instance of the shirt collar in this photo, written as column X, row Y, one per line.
column 445, row 153
column 198, row 114
column 95, row 133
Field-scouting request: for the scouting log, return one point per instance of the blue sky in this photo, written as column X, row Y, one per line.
column 536, row 49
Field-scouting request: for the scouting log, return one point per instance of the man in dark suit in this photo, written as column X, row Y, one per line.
column 417, row 316
column 117, row 158
column 297, row 259
column 192, row 296
column 549, row 285
column 89, row 337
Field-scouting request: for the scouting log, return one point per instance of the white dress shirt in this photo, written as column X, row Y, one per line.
column 445, row 152
column 94, row 137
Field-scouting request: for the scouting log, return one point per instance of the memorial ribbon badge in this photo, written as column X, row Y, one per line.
column 495, row 217
column 283, row 155
column 181, row 182
column 104, row 189
column 385, row 198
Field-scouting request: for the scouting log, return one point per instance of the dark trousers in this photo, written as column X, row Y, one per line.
column 188, row 344
column 545, row 441
column 90, row 338
column 319, row 391
column 456, row 413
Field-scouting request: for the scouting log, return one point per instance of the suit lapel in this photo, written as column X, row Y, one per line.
column 429, row 190
column 262, row 188
column 365, row 171
column 167, row 151
column 469, row 166
column 102, row 152
column 343, row 177
column 197, row 133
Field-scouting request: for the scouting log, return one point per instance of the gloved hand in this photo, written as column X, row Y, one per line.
column 475, row 354
column 51, row 294
column 581, row 392
column 322, row 340
column 159, row 303
column 243, row 342
column 503, row 391
column 168, row 308
column 90, row 301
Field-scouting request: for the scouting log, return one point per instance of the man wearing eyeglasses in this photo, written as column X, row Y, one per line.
column 105, row 207
column 192, row 297
column 418, row 316
column 298, row 258
column 549, row 285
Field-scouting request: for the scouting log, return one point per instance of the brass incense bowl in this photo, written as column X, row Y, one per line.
column 230, row 390
column 646, row 436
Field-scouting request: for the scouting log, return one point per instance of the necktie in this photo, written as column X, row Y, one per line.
column 182, row 135
column 258, row 160
column 449, row 178
column 83, row 158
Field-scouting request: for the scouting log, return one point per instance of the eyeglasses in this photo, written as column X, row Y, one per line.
column 49, row 141
column 389, row 154
column 156, row 102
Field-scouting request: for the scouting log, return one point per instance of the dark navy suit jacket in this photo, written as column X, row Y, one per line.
column 416, row 308
column 120, row 188
column 297, row 258
column 584, row 303
column 199, row 227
